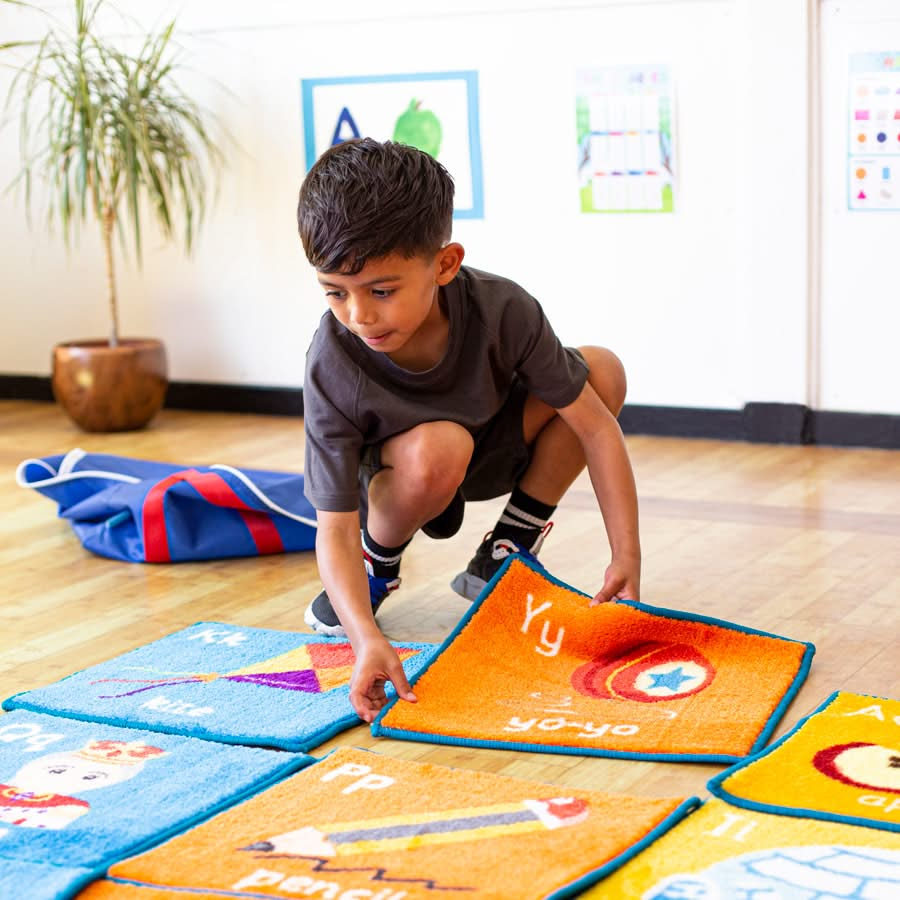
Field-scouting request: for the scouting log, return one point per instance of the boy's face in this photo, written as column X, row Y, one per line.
column 393, row 300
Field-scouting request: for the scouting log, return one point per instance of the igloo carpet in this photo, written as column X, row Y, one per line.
column 728, row 853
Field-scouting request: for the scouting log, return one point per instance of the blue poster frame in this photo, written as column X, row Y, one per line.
column 469, row 77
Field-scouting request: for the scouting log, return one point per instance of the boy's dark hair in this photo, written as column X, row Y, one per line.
column 363, row 200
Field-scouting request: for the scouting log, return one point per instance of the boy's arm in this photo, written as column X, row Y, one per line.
column 343, row 575
column 613, row 481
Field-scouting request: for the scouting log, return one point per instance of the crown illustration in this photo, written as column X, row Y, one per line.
column 121, row 752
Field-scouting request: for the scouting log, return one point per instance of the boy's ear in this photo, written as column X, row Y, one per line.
column 447, row 262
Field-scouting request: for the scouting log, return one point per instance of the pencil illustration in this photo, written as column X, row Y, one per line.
column 407, row 832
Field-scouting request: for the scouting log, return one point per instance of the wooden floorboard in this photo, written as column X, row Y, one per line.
column 802, row 541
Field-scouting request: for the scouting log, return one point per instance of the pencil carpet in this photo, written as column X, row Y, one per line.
column 842, row 763
column 358, row 824
column 77, row 796
column 533, row 667
column 734, row 854
column 253, row 686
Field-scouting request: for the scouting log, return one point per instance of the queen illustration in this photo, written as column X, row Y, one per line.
column 44, row 791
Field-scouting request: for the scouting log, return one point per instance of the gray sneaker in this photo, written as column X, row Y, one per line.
column 487, row 560
column 320, row 614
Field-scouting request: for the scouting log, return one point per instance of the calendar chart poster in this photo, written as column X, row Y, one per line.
column 434, row 111
column 624, row 119
column 873, row 127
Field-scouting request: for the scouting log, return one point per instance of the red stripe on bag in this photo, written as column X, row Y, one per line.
column 216, row 490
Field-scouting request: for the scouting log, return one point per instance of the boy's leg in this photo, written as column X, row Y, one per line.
column 421, row 472
column 557, row 458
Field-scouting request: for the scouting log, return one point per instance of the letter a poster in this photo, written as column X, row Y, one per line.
column 434, row 111
column 624, row 118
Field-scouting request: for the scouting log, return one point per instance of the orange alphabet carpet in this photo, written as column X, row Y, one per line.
column 361, row 825
column 533, row 666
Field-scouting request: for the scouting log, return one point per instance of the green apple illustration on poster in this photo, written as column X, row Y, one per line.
column 419, row 128
column 434, row 111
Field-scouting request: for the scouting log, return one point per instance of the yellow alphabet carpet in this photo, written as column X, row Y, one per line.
column 734, row 854
column 841, row 763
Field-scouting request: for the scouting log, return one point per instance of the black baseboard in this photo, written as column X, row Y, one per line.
column 234, row 398
column 25, row 387
column 842, row 429
column 677, row 421
column 760, row 423
column 770, row 423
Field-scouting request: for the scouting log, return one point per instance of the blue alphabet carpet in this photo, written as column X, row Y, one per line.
column 142, row 511
column 361, row 825
column 532, row 666
column 253, row 686
column 77, row 796
column 41, row 881
column 724, row 853
column 841, row 763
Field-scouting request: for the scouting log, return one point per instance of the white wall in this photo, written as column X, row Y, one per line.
column 707, row 307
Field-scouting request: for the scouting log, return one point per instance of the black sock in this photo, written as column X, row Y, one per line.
column 523, row 519
column 383, row 561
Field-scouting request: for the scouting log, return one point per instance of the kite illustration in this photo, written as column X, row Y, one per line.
column 311, row 668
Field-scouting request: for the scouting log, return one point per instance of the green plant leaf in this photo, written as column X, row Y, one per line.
column 111, row 134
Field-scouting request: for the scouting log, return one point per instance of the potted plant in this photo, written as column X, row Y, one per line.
column 112, row 136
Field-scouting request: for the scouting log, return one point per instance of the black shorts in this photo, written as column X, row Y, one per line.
column 499, row 459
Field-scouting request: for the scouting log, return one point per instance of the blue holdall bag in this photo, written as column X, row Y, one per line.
column 141, row 511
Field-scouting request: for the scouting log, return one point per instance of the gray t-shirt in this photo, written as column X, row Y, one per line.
column 354, row 396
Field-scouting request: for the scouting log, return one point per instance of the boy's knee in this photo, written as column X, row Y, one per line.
column 436, row 456
column 607, row 376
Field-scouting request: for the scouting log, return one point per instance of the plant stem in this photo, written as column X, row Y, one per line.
column 109, row 219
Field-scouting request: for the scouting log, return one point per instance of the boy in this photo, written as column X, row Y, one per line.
column 429, row 384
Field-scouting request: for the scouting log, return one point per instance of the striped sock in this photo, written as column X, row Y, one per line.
column 382, row 562
column 523, row 519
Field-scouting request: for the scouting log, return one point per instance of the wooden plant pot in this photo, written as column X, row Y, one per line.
column 105, row 388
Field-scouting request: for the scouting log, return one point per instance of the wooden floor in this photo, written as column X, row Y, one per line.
column 801, row 541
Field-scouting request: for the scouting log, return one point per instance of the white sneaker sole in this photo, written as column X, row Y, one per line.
column 467, row 585
column 320, row 627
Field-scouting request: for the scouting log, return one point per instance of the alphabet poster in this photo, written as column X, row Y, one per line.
column 874, row 131
column 434, row 111
column 624, row 119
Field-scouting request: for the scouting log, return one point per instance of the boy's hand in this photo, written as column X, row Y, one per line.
column 621, row 582
column 376, row 664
